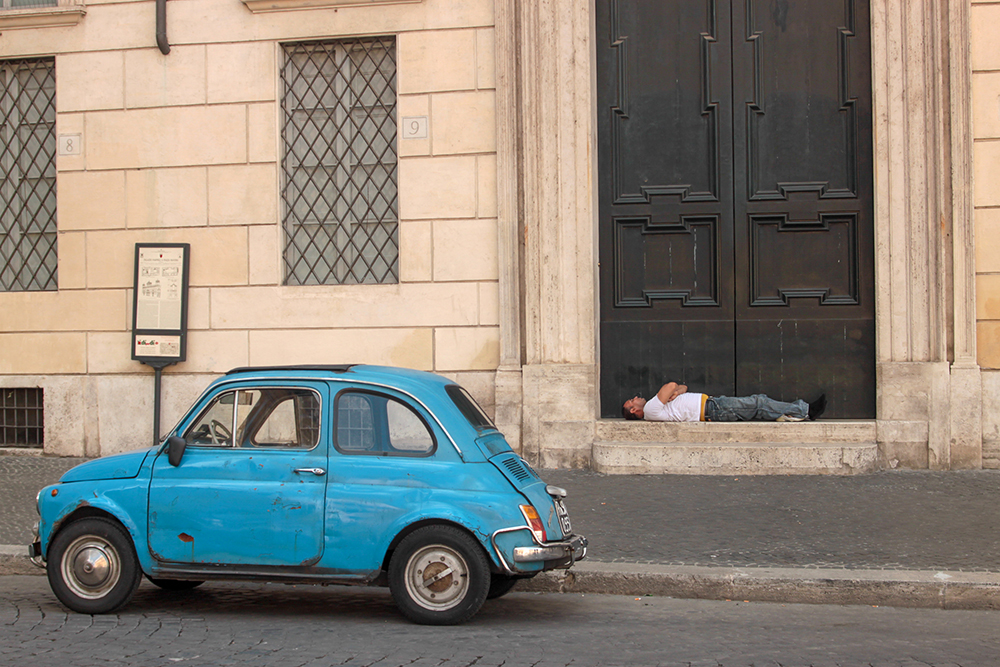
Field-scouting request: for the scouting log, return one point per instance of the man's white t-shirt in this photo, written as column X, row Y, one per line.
column 684, row 408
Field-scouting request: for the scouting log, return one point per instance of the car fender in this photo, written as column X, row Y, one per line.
column 126, row 503
column 480, row 518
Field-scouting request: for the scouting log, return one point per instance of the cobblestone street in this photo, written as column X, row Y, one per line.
column 278, row 626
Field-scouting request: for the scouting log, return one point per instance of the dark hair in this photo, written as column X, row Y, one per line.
column 628, row 414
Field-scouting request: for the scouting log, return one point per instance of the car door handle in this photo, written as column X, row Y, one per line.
column 319, row 472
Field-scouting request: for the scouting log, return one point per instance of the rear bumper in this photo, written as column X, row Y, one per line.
column 552, row 555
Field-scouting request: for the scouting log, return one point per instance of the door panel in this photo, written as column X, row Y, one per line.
column 736, row 232
column 666, row 197
column 805, row 249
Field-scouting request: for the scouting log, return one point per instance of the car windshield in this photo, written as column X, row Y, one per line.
column 468, row 407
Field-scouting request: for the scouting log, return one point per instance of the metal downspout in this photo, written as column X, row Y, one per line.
column 161, row 26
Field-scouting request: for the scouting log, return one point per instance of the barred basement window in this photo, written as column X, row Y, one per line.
column 339, row 163
column 28, row 175
column 22, row 422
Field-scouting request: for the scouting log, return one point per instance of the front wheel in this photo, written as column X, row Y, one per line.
column 92, row 567
column 438, row 575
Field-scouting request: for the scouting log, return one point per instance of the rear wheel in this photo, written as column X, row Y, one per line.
column 500, row 585
column 439, row 575
column 175, row 584
column 92, row 567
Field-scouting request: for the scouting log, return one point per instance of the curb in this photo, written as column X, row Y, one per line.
column 14, row 560
column 886, row 588
column 889, row 588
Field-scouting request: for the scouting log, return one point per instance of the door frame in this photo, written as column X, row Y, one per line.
column 928, row 385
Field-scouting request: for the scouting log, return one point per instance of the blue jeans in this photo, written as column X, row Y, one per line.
column 746, row 408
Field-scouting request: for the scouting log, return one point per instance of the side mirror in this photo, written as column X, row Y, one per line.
column 175, row 449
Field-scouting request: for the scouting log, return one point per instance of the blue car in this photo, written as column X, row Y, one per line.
column 362, row 475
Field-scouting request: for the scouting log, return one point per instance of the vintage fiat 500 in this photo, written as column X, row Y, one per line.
column 361, row 475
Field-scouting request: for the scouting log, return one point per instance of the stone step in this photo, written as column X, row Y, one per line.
column 735, row 458
column 822, row 431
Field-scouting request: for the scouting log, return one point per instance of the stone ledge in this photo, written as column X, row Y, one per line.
column 256, row 6
column 841, row 431
column 758, row 458
column 41, row 17
column 21, row 451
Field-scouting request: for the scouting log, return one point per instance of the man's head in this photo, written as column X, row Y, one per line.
column 632, row 408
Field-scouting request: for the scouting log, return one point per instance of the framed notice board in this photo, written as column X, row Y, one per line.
column 159, row 303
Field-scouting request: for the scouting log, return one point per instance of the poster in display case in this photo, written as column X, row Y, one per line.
column 159, row 303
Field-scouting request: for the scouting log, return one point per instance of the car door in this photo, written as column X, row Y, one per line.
column 385, row 463
column 251, row 486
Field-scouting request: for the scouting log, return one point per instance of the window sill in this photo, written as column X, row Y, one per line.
column 41, row 17
column 256, row 6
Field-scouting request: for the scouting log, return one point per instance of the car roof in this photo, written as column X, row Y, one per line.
column 404, row 378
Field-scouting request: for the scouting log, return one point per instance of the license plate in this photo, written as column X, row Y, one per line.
column 563, row 515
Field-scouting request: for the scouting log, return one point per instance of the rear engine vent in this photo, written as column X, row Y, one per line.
column 516, row 468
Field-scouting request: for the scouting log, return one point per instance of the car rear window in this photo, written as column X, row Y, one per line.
column 468, row 407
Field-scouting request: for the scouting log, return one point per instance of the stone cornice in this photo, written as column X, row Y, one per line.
column 41, row 17
column 256, row 6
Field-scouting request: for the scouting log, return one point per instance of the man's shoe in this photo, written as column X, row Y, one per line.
column 789, row 418
column 817, row 407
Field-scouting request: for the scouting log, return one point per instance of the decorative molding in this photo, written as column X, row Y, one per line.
column 260, row 6
column 764, row 293
column 42, row 17
column 704, row 292
column 620, row 115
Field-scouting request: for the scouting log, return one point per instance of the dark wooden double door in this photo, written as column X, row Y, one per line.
column 735, row 175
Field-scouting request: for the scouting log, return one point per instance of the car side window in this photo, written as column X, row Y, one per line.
column 214, row 426
column 372, row 423
column 272, row 417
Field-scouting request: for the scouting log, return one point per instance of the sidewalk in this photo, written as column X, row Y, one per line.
column 892, row 538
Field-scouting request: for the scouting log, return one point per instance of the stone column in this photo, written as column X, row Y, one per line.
column 929, row 390
column 548, row 45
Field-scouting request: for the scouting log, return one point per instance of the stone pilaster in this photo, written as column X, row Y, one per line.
column 548, row 331
column 930, row 393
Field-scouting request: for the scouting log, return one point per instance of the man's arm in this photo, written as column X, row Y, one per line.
column 670, row 391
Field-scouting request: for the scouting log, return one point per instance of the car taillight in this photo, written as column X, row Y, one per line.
column 534, row 522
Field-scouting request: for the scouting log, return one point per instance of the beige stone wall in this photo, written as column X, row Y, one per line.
column 185, row 148
column 986, row 128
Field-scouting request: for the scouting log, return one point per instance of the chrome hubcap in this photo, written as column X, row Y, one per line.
column 437, row 577
column 91, row 567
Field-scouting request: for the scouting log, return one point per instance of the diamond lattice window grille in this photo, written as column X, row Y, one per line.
column 28, row 175
column 339, row 162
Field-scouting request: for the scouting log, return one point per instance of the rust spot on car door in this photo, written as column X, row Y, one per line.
column 184, row 537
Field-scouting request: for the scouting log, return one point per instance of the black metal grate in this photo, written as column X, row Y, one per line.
column 339, row 162
column 28, row 175
column 22, row 422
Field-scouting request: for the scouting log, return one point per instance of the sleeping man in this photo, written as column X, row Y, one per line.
column 674, row 403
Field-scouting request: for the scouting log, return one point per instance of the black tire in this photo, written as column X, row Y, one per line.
column 175, row 584
column 425, row 555
column 500, row 585
column 92, row 566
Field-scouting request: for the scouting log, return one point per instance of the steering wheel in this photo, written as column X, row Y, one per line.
column 220, row 434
